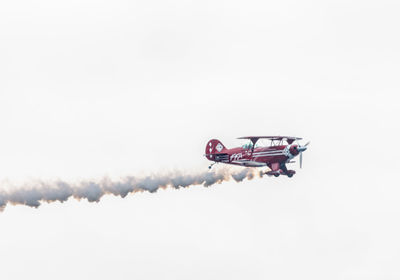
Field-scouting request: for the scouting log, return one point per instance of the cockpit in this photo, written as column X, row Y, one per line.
column 247, row 146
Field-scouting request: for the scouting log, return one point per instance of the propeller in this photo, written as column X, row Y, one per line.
column 302, row 149
column 301, row 160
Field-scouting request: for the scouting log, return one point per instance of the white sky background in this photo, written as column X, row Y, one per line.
column 94, row 88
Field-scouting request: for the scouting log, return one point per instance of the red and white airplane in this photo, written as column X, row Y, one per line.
column 280, row 151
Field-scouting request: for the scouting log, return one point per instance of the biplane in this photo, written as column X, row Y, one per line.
column 280, row 151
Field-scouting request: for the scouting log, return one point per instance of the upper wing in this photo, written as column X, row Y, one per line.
column 254, row 139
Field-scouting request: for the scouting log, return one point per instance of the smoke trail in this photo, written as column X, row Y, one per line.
column 61, row 191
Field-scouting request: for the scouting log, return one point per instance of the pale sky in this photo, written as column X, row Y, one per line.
column 114, row 88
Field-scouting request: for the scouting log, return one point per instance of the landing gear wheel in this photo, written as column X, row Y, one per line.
column 290, row 175
column 276, row 175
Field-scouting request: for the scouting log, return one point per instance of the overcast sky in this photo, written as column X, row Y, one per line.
column 114, row 88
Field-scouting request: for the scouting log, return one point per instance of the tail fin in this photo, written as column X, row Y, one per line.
column 214, row 146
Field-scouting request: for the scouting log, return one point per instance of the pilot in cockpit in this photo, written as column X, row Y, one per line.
column 247, row 146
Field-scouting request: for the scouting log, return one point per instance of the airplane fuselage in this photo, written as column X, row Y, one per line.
column 255, row 158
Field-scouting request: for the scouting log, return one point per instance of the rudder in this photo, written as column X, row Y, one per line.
column 214, row 146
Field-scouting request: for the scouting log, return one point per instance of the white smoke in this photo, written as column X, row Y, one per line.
column 36, row 193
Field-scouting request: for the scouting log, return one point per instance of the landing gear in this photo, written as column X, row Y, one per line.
column 211, row 165
column 285, row 171
column 272, row 173
column 282, row 171
column 290, row 173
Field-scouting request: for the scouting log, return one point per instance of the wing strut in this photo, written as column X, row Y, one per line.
column 254, row 141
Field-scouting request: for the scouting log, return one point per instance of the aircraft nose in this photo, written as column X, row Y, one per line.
column 301, row 149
